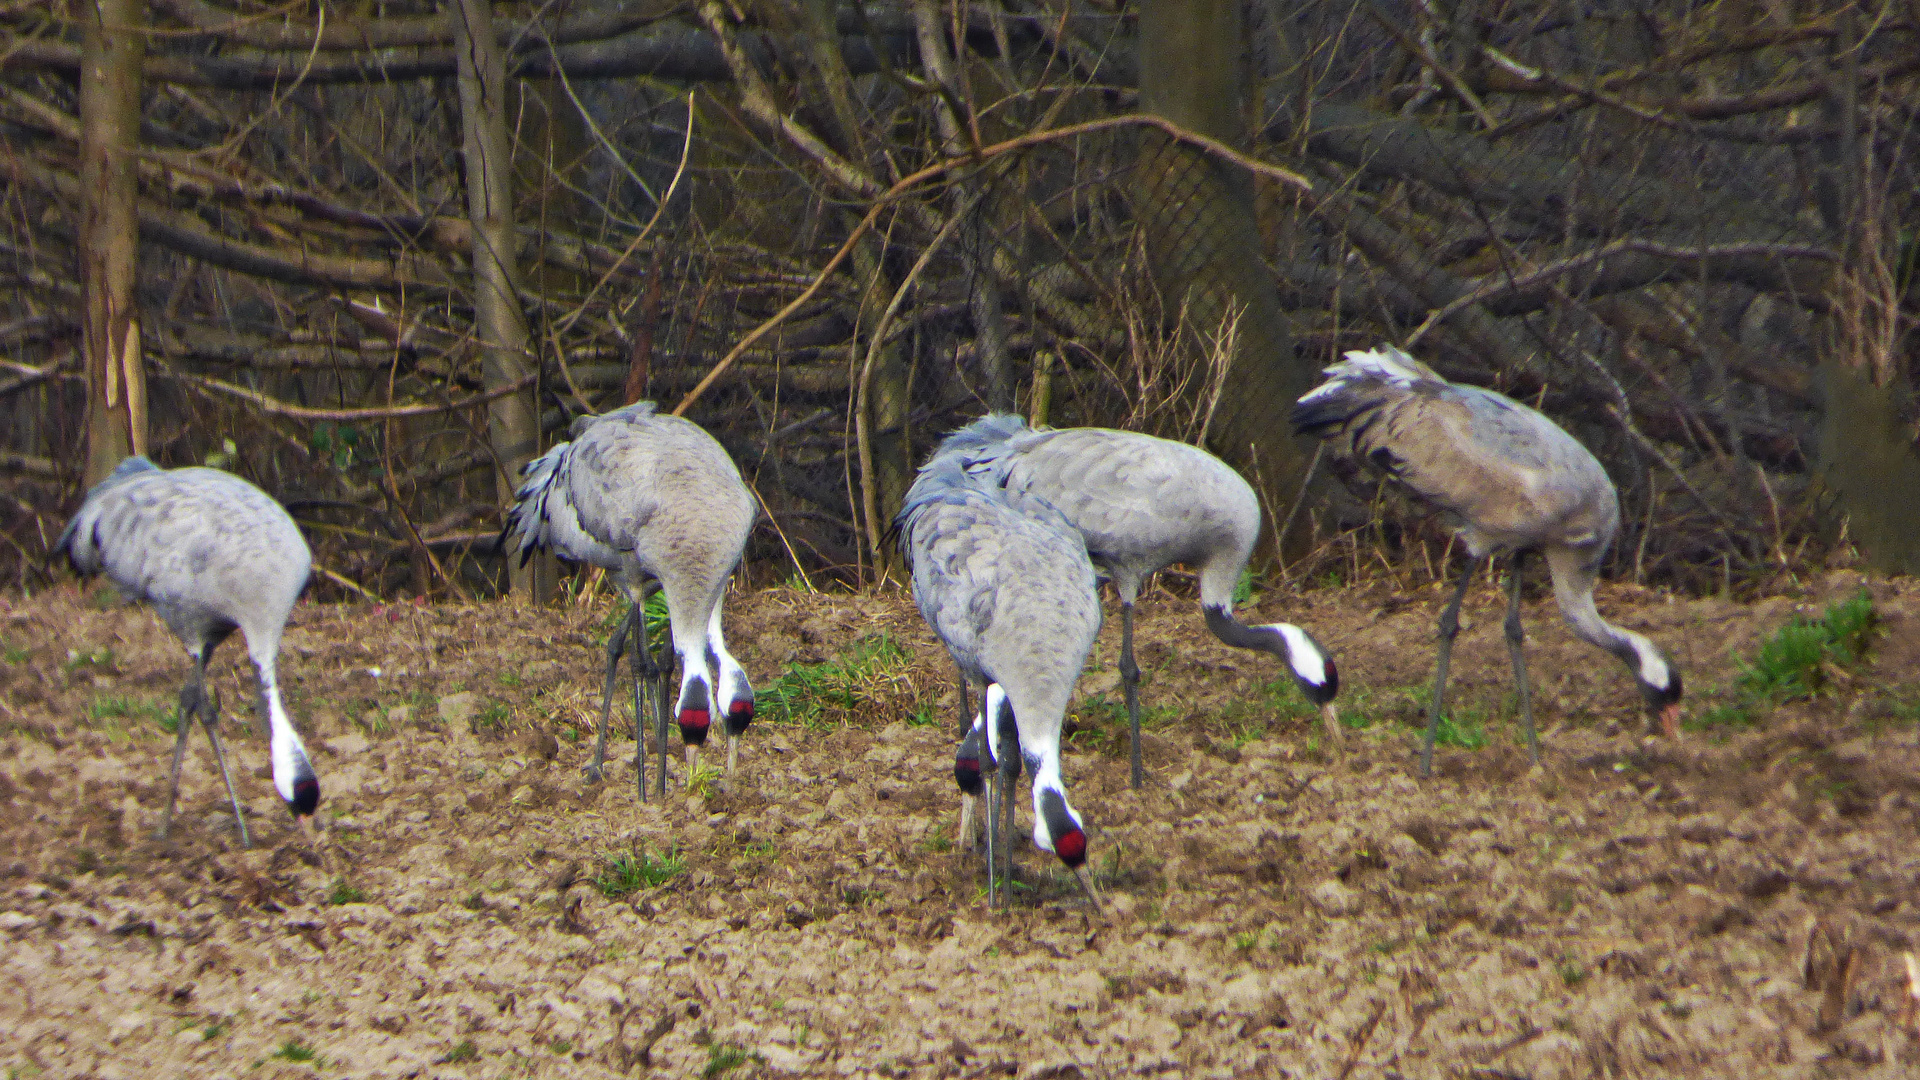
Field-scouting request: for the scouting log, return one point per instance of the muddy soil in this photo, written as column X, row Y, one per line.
column 1734, row 904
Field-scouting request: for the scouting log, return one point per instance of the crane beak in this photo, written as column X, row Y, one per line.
column 1093, row 894
column 1670, row 720
column 1330, row 715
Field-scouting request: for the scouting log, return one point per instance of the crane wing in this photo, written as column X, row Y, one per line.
column 1506, row 474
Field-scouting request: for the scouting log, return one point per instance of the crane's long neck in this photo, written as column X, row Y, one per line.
column 1310, row 665
column 293, row 775
column 1574, row 572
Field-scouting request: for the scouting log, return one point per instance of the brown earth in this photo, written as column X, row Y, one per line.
column 1632, row 907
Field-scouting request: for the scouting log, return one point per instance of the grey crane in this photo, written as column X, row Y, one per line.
column 1011, row 594
column 657, row 502
column 1508, row 480
column 1141, row 504
column 212, row 554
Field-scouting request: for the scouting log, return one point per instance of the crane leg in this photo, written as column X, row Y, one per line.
column 1449, row 629
column 1130, row 686
column 646, row 674
column 993, row 828
column 1009, row 770
column 210, row 719
column 616, row 644
column 966, row 706
column 662, row 708
column 195, row 703
column 1516, row 648
column 968, row 827
column 189, row 708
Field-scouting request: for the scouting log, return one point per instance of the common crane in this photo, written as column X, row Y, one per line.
column 650, row 498
column 1509, row 480
column 1141, row 504
column 212, row 554
column 1011, row 594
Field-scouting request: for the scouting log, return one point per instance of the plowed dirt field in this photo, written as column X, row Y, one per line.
column 1734, row 904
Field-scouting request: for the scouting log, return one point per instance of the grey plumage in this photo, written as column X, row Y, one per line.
column 1508, row 480
column 212, row 554
column 1141, row 504
column 651, row 498
column 1010, row 592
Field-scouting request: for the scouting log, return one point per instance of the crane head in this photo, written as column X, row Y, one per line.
column 966, row 760
column 293, row 775
column 1058, row 828
column 695, row 712
column 1305, row 658
column 737, row 692
column 1312, row 666
column 1660, row 682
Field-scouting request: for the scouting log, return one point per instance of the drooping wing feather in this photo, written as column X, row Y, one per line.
column 131, row 467
column 543, row 515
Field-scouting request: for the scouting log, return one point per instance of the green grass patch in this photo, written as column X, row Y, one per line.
column 723, row 1058
column 1100, row 722
column 703, row 780
column 629, row 872
column 295, row 1050
column 924, row 714
column 106, row 707
column 1466, row 732
column 493, row 719
column 1571, row 972
column 854, row 686
column 13, row 654
column 655, row 613
column 1799, row 659
column 1243, row 591
column 464, row 1050
column 344, row 893
column 1797, row 662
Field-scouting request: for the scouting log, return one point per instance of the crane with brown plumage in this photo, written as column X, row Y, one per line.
column 1509, row 481
column 650, row 498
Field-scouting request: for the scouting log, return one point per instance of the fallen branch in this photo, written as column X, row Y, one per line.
column 1553, row 270
column 275, row 407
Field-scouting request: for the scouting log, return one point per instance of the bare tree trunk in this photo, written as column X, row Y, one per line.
column 1867, row 455
column 513, row 419
column 1203, row 238
column 110, row 233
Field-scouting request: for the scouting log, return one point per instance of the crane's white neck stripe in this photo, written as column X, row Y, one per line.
column 1652, row 666
column 1303, row 655
column 989, row 717
column 290, row 763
